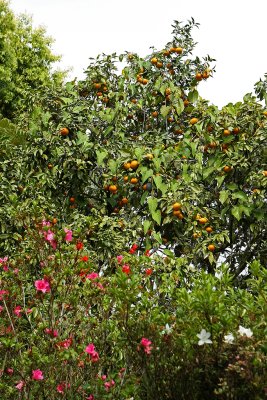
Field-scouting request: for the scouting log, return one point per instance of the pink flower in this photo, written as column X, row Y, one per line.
column 9, row 371
column 90, row 349
column 50, row 237
column 3, row 260
column 68, row 237
column 37, row 375
column 51, row 332
column 65, row 343
column 20, row 385
column 109, row 384
column 1, row 308
column 91, row 397
column 119, row 259
column 18, row 310
column 42, row 285
column 2, row 292
column 146, row 344
column 46, row 223
column 62, row 386
column 126, row 269
column 92, row 276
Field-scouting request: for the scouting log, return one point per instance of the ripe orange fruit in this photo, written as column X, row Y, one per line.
column 124, row 200
column 177, row 213
column 186, row 103
column 54, row 221
column 167, row 91
column 209, row 229
column 134, row 164
column 209, row 128
column 176, row 206
column 159, row 64
column 265, row 113
column 181, row 216
column 134, row 180
column 113, row 188
column 170, row 119
column 206, row 74
column 178, row 50
column 227, row 168
column 166, row 53
column 64, row 131
column 236, row 130
column 72, row 199
column 203, row 220
column 226, row 132
column 127, row 165
column 154, row 60
column 144, row 81
column 211, row 247
column 155, row 114
column 114, row 179
column 99, row 94
column 125, row 178
column 198, row 76
column 134, row 101
column 97, row 85
column 193, row 121
column 264, row 173
column 178, row 131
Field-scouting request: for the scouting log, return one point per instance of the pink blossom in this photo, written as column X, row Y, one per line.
column 119, row 259
column 20, row 385
column 18, row 310
column 3, row 260
column 146, row 343
column 51, row 332
column 109, row 384
column 50, row 237
column 92, row 276
column 9, row 371
column 42, row 285
column 68, row 237
column 46, row 223
column 16, row 271
column 62, row 386
column 1, row 308
column 37, row 375
column 90, row 349
column 29, row 310
column 65, row 343
column 91, row 397
column 3, row 292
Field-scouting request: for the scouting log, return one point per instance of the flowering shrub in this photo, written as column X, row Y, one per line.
column 154, row 328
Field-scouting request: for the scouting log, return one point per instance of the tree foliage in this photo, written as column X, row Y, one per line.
column 26, row 62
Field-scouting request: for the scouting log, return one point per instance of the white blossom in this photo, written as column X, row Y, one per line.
column 229, row 338
column 204, row 337
column 245, row 331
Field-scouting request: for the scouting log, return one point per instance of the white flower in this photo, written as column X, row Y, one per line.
column 204, row 337
column 245, row 332
column 167, row 330
column 219, row 275
column 229, row 338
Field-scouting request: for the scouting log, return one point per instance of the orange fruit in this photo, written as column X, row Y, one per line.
column 54, row 221
column 177, row 213
column 134, row 164
column 144, row 81
column 264, row 173
column 50, row 166
column 127, row 165
column 205, row 74
column 178, row 50
column 64, row 131
column 154, row 60
column 198, row 76
column 265, row 113
column 134, row 180
column 186, row 103
column 193, row 120
column 226, row 132
column 209, row 128
column 134, row 101
column 203, row 220
column 159, row 65
column 211, row 247
column 97, row 85
column 236, row 130
column 166, row 53
column 72, row 199
column 99, row 94
column 124, row 200
column 178, row 131
column 155, row 114
column 113, row 188
column 125, row 178
column 176, row 206
column 209, row 229
column 167, row 91
column 227, row 168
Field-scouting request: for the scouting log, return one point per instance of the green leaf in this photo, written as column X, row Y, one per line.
column 240, row 195
column 147, row 224
column 146, row 173
column 101, row 155
column 179, row 106
column 224, row 194
column 193, row 96
column 152, row 204
column 159, row 184
column 237, row 212
column 156, row 215
column 164, row 110
column 157, row 237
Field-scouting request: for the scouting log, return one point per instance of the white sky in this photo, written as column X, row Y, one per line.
column 231, row 31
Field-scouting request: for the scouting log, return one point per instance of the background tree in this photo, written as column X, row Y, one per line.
column 26, row 62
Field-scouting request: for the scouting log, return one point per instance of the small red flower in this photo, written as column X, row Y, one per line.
column 84, row 258
column 79, row 246
column 149, row 271
column 126, row 269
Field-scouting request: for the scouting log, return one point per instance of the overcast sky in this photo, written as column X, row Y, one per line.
column 231, row 31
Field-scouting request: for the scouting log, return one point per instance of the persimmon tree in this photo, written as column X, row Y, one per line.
column 138, row 156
